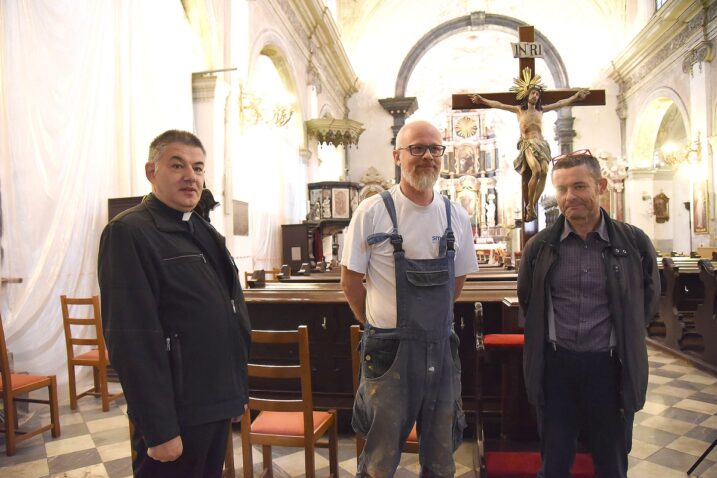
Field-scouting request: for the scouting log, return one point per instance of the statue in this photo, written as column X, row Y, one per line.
column 534, row 155
column 490, row 211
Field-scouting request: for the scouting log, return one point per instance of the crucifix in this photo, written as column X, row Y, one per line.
column 534, row 152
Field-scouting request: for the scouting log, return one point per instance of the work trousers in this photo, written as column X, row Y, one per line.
column 581, row 391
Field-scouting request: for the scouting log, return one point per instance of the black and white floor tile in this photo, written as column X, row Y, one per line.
column 678, row 423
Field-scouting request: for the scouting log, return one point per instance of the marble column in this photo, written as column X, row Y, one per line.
column 400, row 108
column 698, row 64
column 564, row 132
column 209, row 95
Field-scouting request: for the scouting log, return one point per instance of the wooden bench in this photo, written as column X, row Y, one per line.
column 705, row 314
column 683, row 292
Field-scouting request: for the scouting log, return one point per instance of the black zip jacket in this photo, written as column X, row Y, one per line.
column 633, row 288
column 177, row 337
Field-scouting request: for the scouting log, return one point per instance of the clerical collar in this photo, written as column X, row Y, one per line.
column 155, row 203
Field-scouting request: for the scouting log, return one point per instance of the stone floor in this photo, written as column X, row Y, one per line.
column 678, row 423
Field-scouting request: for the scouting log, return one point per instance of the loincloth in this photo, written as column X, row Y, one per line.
column 540, row 150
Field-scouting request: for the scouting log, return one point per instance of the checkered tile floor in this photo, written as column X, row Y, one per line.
column 678, row 423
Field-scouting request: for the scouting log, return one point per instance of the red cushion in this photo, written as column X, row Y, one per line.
column 20, row 380
column 511, row 464
column 413, row 436
column 285, row 423
column 504, row 340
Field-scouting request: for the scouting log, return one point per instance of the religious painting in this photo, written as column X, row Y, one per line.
column 468, row 199
column 661, row 208
column 314, row 205
column 466, row 159
column 240, row 212
column 700, row 208
column 340, row 203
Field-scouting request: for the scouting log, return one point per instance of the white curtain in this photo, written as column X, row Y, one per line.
column 84, row 87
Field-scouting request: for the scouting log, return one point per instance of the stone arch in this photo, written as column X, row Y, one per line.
column 478, row 21
column 649, row 118
column 272, row 45
column 400, row 107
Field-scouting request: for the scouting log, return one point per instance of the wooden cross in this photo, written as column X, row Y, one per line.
column 526, row 37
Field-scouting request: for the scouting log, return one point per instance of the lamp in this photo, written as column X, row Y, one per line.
column 329, row 130
column 674, row 156
column 694, row 150
column 254, row 108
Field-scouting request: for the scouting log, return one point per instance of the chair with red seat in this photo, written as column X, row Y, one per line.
column 506, row 463
column 96, row 358
column 287, row 422
column 15, row 388
column 411, row 445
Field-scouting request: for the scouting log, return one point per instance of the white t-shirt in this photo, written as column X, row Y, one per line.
column 421, row 228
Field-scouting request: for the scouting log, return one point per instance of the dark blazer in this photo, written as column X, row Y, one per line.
column 633, row 286
column 177, row 336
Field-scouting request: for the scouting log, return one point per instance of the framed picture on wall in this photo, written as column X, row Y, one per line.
column 700, row 208
column 340, row 203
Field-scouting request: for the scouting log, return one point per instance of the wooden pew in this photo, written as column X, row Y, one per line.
column 683, row 292
column 705, row 314
column 323, row 308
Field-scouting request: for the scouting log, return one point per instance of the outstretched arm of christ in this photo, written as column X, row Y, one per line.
column 579, row 95
column 478, row 99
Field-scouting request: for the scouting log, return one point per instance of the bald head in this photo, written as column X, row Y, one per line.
column 415, row 128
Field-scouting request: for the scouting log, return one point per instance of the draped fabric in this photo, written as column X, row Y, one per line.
column 84, row 87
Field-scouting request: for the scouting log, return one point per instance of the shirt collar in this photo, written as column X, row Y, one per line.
column 601, row 229
column 157, row 205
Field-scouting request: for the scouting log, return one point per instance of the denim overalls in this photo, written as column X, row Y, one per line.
column 412, row 373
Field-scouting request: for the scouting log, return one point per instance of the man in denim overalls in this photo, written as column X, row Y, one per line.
column 414, row 247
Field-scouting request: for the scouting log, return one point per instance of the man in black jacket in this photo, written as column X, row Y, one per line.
column 174, row 317
column 588, row 286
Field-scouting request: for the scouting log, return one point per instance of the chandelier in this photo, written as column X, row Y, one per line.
column 329, row 130
column 673, row 156
column 255, row 108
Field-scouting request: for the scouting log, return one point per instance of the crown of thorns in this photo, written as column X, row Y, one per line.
column 529, row 82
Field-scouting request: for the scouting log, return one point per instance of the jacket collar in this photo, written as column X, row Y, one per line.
column 557, row 229
column 165, row 218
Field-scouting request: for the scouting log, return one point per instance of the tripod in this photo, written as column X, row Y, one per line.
column 704, row 455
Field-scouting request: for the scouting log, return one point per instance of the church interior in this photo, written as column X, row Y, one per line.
column 298, row 103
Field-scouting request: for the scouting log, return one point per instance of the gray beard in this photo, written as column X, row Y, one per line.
column 421, row 182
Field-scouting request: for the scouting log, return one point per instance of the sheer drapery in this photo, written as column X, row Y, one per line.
column 84, row 87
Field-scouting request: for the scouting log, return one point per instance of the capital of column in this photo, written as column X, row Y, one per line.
column 703, row 52
column 400, row 108
column 203, row 88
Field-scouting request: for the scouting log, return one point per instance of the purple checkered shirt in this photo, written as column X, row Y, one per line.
column 579, row 291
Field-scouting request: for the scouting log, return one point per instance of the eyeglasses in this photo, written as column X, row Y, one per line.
column 419, row 150
column 574, row 154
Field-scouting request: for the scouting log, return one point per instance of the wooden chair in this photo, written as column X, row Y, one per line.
column 411, row 445
column 15, row 388
column 289, row 423
column 96, row 358
column 505, row 463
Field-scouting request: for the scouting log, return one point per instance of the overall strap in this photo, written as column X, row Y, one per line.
column 395, row 238
column 448, row 240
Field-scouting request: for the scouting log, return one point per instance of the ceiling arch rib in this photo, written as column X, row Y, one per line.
column 477, row 21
